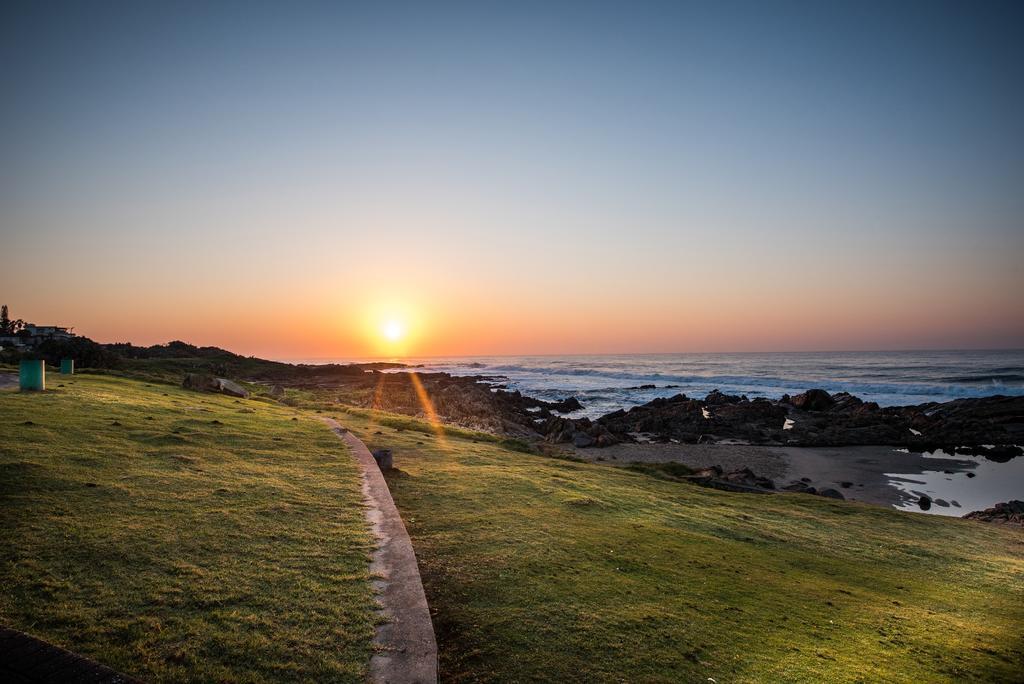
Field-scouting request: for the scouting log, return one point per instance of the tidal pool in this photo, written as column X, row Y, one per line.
column 958, row 491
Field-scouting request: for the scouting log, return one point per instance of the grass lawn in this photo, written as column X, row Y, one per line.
column 178, row 536
column 538, row 568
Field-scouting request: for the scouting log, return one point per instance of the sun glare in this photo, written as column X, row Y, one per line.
column 393, row 330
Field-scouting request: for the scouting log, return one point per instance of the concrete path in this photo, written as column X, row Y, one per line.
column 406, row 649
column 24, row 658
column 8, row 380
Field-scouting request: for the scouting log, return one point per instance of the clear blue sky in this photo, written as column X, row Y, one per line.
column 587, row 176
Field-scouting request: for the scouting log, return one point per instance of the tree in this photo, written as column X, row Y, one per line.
column 7, row 326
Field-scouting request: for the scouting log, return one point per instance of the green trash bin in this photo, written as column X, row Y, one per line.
column 32, row 375
column 67, row 366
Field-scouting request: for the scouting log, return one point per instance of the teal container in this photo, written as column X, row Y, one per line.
column 67, row 366
column 32, row 375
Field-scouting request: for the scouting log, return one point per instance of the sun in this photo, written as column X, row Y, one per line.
column 393, row 330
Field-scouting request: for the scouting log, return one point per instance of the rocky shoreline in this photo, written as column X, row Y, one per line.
column 991, row 426
column 805, row 434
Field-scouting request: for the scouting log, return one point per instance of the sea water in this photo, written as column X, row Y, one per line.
column 954, row 492
column 606, row 383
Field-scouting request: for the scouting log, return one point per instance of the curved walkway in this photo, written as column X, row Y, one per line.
column 406, row 649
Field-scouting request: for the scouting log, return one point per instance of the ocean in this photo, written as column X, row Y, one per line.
column 606, row 383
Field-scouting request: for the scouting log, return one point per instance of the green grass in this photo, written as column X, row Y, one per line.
column 545, row 569
column 179, row 536
column 175, row 548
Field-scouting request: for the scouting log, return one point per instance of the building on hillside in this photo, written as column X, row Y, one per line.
column 11, row 341
column 31, row 335
column 47, row 332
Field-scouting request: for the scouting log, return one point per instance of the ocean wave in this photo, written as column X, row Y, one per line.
column 609, row 382
column 986, row 377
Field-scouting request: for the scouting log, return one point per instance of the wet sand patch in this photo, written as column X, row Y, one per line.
column 861, row 473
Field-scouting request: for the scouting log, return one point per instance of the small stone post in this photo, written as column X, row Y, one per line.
column 383, row 459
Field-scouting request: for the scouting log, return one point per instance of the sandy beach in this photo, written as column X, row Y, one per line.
column 859, row 472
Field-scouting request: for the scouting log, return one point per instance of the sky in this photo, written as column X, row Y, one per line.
column 302, row 180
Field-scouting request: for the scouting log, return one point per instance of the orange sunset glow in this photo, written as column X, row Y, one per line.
column 430, row 204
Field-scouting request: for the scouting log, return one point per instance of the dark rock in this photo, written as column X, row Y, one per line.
column 831, row 493
column 582, row 440
column 845, row 485
column 813, row 400
column 716, row 398
column 745, row 476
column 1001, row 453
column 712, row 471
column 566, row 405
column 200, row 382
column 384, row 459
column 1007, row 513
column 971, row 474
column 925, row 502
column 742, row 480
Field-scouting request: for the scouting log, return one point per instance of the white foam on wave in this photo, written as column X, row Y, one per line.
column 607, row 383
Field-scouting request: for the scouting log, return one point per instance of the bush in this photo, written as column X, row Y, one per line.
column 85, row 352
